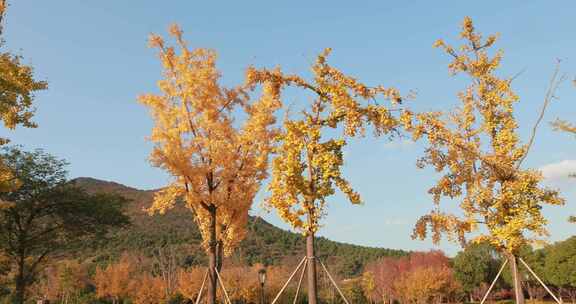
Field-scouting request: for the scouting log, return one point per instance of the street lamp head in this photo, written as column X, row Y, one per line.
column 262, row 275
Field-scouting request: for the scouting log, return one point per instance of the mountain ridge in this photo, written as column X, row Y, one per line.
column 264, row 243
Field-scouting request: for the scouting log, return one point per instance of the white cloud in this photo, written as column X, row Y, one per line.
column 559, row 171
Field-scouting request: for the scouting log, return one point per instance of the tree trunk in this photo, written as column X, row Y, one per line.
column 516, row 279
column 530, row 290
column 20, row 292
column 312, row 282
column 212, row 263
column 219, row 255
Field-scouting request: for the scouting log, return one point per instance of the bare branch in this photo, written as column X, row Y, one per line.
column 555, row 81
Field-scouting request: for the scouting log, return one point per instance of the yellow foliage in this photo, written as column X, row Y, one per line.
column 8, row 182
column 241, row 282
column 190, row 281
column 426, row 285
column 368, row 284
column 62, row 282
column 114, row 280
column 17, row 87
column 217, row 162
column 148, row 289
column 565, row 126
column 477, row 149
column 307, row 164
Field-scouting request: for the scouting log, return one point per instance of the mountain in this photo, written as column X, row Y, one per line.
column 264, row 243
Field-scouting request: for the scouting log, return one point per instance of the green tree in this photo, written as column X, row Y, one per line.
column 49, row 215
column 4, row 269
column 355, row 292
column 475, row 265
column 536, row 260
column 560, row 266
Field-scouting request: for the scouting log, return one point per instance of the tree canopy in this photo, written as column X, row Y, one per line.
column 215, row 163
column 307, row 163
column 213, row 140
column 49, row 215
column 477, row 149
column 475, row 265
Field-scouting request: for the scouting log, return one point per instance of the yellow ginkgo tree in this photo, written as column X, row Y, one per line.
column 477, row 150
column 17, row 88
column 215, row 143
column 308, row 160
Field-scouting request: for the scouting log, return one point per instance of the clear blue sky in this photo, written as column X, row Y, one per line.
column 94, row 55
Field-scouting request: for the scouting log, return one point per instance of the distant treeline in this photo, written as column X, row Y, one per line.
column 420, row 277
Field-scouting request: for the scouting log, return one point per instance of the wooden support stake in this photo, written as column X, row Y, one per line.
column 537, row 278
column 494, row 282
column 334, row 283
column 201, row 288
column 222, row 286
column 289, row 279
column 300, row 282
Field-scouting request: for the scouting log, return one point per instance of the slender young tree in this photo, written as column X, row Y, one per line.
column 213, row 140
column 307, row 164
column 479, row 152
column 17, row 88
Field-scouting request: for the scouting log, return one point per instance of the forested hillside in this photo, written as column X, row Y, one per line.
column 176, row 229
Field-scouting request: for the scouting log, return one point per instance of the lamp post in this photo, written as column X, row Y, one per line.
column 262, row 279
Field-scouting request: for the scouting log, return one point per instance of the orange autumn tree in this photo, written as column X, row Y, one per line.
column 307, row 164
column 214, row 141
column 114, row 280
column 190, row 281
column 427, row 285
column 477, row 149
column 148, row 289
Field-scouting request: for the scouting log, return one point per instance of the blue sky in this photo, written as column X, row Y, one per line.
column 94, row 56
